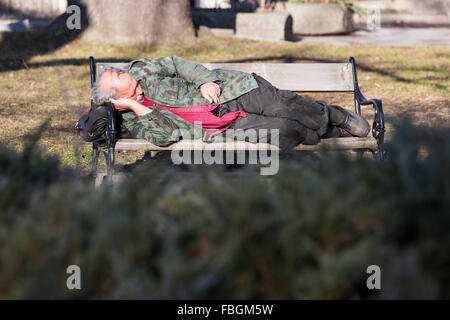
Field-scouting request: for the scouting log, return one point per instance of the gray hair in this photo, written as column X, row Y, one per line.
column 100, row 96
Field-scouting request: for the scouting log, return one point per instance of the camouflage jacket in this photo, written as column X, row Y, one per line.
column 175, row 82
column 162, row 128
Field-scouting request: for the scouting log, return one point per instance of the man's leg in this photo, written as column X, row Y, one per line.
column 267, row 100
column 289, row 133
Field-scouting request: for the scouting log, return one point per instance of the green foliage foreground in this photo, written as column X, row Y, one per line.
column 308, row 232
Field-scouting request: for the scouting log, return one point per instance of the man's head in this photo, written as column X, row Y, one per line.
column 117, row 84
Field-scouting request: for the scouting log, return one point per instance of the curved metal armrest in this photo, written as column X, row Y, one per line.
column 378, row 124
column 378, row 128
column 111, row 120
column 110, row 134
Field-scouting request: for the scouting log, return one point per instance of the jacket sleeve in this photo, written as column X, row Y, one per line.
column 193, row 72
column 160, row 127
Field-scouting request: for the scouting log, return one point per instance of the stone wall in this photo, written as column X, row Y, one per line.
column 33, row 8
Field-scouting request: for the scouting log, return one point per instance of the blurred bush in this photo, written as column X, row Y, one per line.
column 308, row 232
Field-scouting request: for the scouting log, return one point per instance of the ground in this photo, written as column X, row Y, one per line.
column 390, row 37
column 39, row 81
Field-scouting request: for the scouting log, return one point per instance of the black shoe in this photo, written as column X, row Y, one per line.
column 351, row 122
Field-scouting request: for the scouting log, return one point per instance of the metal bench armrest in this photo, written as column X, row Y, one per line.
column 378, row 127
column 110, row 134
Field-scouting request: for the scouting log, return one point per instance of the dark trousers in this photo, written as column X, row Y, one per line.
column 298, row 119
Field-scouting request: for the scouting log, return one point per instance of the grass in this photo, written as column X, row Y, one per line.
column 42, row 77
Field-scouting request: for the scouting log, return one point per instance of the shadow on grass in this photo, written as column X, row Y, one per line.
column 17, row 48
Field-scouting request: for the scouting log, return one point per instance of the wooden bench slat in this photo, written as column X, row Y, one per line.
column 288, row 76
column 298, row 76
column 333, row 144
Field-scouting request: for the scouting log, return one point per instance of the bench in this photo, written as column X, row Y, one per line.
column 297, row 77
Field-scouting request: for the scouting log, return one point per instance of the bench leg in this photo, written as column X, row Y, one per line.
column 109, row 159
column 111, row 139
column 94, row 159
column 110, row 164
column 380, row 152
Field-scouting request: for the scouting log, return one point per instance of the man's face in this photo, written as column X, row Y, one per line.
column 126, row 86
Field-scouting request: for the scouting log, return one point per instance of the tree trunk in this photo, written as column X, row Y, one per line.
column 137, row 21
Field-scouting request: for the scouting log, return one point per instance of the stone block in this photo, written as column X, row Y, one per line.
column 319, row 18
column 274, row 26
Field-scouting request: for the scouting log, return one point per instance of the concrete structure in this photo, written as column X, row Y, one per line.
column 318, row 18
column 264, row 26
column 33, row 9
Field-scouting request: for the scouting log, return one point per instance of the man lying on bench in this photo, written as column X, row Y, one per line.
column 158, row 96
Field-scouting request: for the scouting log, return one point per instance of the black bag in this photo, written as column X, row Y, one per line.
column 93, row 124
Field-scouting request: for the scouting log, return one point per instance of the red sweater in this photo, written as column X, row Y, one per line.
column 212, row 124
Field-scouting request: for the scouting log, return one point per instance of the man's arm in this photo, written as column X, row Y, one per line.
column 129, row 104
column 206, row 80
column 151, row 127
column 155, row 125
column 175, row 67
column 194, row 72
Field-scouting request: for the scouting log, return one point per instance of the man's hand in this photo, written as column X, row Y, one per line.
column 122, row 104
column 210, row 91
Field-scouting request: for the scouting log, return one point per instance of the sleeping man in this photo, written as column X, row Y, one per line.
column 160, row 96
